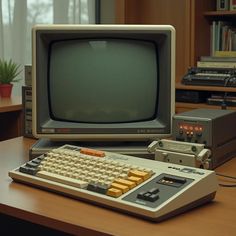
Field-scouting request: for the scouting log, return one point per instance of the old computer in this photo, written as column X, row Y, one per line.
column 103, row 83
column 109, row 84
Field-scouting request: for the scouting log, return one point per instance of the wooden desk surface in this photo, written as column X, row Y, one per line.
column 77, row 217
column 13, row 103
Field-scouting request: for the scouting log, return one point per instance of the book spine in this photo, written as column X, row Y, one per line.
column 213, row 38
column 218, row 59
column 234, row 41
column 217, row 46
column 222, row 5
column 27, row 111
column 210, row 64
column 225, row 53
column 28, row 75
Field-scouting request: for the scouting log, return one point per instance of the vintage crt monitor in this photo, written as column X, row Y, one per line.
column 109, row 83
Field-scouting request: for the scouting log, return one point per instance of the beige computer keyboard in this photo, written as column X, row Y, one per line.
column 147, row 188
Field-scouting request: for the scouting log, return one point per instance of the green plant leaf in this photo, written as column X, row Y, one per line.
column 9, row 70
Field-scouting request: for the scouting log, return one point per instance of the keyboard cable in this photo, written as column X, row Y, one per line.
column 228, row 177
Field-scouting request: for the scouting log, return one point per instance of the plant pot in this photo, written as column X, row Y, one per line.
column 5, row 90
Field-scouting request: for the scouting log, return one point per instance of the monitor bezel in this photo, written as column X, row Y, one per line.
column 135, row 131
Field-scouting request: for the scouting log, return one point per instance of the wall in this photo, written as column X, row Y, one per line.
column 107, row 11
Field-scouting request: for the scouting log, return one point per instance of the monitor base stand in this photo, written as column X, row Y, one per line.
column 138, row 149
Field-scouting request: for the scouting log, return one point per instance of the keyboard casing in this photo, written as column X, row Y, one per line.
column 192, row 187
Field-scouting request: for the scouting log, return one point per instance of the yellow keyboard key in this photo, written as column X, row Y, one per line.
column 114, row 192
column 135, row 179
column 128, row 183
column 140, row 174
column 121, row 187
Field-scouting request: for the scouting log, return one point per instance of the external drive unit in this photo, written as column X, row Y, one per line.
column 215, row 129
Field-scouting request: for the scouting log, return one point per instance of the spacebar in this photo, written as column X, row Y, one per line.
column 62, row 179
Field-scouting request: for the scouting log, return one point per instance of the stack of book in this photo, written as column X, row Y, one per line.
column 218, row 61
column 220, row 99
column 27, row 102
column 223, row 38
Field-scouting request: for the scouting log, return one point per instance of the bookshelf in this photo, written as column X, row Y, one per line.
column 192, row 20
column 224, row 14
column 178, row 85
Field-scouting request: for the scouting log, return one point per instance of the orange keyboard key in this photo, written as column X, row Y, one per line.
column 114, row 192
column 128, row 183
column 135, row 179
column 92, row 152
column 141, row 174
column 121, row 187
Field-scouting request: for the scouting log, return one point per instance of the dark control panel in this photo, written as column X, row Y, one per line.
column 158, row 190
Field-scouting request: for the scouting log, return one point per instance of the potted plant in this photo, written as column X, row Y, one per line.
column 9, row 70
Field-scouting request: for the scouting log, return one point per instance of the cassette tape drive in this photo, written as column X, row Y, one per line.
column 183, row 153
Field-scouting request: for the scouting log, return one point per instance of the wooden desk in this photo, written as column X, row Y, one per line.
column 73, row 216
column 10, row 117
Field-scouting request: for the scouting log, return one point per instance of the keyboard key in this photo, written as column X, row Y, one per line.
column 62, row 179
column 153, row 197
column 135, row 179
column 31, row 164
column 153, row 190
column 125, row 182
column 140, row 174
column 28, row 170
column 36, row 161
column 147, row 196
column 121, row 187
column 114, row 192
column 92, row 152
column 99, row 188
column 92, row 187
column 141, row 195
column 102, row 188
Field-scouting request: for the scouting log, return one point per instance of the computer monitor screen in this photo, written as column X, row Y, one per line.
column 103, row 82
column 103, row 98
